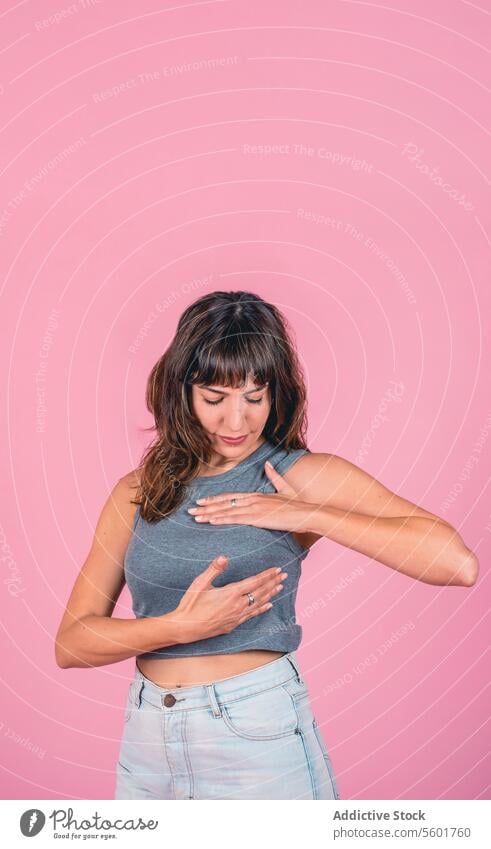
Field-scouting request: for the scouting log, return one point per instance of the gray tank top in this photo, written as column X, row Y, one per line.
column 162, row 558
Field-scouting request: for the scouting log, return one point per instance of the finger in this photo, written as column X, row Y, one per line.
column 262, row 600
column 230, row 514
column 259, row 610
column 224, row 496
column 254, row 582
column 211, row 509
column 278, row 480
column 215, row 568
column 264, row 594
column 232, row 518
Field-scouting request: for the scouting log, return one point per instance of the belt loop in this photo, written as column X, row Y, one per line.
column 138, row 695
column 294, row 662
column 213, row 700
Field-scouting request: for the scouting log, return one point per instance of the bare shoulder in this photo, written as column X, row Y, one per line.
column 125, row 492
column 130, row 481
column 302, row 475
column 317, row 472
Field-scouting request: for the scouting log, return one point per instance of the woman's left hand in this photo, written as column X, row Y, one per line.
column 279, row 511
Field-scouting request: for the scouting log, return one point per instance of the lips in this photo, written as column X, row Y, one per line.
column 233, row 440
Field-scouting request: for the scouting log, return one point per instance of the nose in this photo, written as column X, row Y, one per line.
column 235, row 419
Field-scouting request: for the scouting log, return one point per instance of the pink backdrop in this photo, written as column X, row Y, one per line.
column 331, row 157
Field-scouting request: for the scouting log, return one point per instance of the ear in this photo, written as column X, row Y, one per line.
column 278, row 481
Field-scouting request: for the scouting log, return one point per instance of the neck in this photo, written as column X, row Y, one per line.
column 228, row 463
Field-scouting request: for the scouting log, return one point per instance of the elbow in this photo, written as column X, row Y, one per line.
column 63, row 657
column 67, row 658
column 468, row 569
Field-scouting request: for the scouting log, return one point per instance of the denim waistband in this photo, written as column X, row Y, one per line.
column 202, row 695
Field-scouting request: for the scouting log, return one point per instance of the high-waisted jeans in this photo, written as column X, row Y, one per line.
column 250, row 736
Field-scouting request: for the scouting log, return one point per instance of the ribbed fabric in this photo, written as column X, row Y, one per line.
column 164, row 557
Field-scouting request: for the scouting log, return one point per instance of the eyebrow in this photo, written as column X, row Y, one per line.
column 219, row 392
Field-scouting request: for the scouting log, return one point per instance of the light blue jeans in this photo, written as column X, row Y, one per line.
column 250, row 736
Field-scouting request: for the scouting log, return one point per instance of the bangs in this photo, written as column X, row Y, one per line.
column 231, row 360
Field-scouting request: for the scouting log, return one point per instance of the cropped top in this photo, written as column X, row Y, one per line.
column 164, row 557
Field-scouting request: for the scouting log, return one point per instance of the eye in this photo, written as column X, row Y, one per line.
column 214, row 403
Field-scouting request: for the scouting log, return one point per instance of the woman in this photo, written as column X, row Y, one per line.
column 209, row 534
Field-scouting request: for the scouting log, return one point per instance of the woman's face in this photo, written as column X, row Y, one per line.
column 226, row 412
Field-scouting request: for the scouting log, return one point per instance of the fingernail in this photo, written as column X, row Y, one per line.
column 279, row 569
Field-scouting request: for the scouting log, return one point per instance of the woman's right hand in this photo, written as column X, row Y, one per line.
column 206, row 611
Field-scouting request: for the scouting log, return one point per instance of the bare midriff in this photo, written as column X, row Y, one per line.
column 202, row 669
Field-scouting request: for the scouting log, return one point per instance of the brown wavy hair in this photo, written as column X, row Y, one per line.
column 222, row 338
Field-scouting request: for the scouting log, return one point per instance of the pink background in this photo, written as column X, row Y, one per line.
column 127, row 191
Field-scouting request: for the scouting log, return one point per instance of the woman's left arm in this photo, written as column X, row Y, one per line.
column 348, row 505
column 326, row 495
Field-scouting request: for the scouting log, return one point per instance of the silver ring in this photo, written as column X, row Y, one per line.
column 251, row 598
column 233, row 502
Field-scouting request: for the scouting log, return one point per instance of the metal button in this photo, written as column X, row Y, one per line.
column 169, row 700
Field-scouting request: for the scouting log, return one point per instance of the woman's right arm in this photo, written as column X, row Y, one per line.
column 88, row 635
